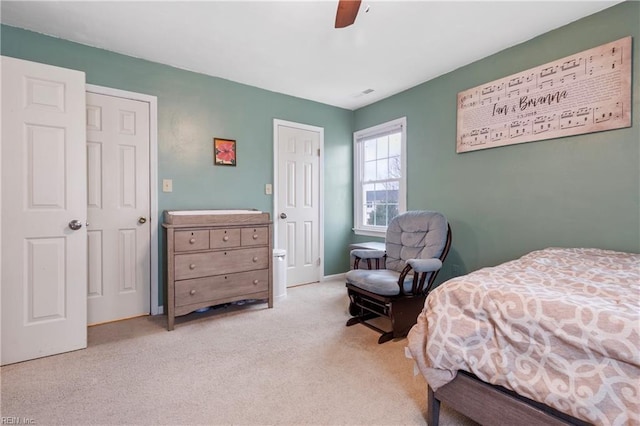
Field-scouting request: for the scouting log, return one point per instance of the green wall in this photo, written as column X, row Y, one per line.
column 503, row 202
column 192, row 109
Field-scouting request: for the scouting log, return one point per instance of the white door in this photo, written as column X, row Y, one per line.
column 44, row 272
column 118, row 208
column 297, row 207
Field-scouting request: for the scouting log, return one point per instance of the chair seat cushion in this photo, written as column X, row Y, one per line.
column 379, row 281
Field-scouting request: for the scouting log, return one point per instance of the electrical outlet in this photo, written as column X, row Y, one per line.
column 167, row 185
column 268, row 189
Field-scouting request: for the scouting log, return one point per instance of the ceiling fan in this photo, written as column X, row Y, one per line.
column 347, row 12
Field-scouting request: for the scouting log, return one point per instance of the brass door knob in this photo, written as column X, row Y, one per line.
column 142, row 220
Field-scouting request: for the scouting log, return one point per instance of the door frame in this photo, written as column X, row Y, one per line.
column 278, row 122
column 153, row 179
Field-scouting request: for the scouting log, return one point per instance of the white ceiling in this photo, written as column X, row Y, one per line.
column 291, row 47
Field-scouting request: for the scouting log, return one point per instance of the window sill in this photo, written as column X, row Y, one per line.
column 369, row 233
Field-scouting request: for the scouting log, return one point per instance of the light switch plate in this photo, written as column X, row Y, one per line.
column 167, row 185
column 268, row 189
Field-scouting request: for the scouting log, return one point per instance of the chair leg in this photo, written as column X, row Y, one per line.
column 353, row 321
column 355, row 310
column 404, row 314
column 360, row 318
column 385, row 337
column 360, row 315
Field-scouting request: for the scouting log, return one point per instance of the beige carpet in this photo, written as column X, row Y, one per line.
column 291, row 365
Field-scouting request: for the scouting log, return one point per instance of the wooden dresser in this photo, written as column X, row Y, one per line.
column 215, row 257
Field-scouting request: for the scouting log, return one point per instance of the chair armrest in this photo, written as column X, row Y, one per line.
column 425, row 265
column 368, row 254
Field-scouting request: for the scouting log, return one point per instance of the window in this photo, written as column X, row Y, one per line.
column 379, row 176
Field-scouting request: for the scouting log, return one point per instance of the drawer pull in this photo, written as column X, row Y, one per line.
column 192, row 266
column 192, row 292
column 225, row 238
column 255, row 282
column 255, row 258
column 255, row 236
column 192, row 241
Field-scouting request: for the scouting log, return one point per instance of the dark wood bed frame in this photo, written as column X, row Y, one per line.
column 491, row 405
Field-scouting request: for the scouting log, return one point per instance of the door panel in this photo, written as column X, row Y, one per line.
column 45, row 279
column 299, row 199
column 118, row 196
column 44, row 274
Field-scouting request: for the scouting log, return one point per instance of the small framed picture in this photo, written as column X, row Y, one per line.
column 224, row 152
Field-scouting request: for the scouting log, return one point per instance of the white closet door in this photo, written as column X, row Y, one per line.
column 118, row 208
column 298, row 187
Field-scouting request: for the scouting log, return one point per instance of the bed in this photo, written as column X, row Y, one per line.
column 552, row 337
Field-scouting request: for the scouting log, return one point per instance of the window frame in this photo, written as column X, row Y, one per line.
column 360, row 136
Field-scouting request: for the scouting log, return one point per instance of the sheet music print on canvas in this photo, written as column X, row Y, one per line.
column 583, row 93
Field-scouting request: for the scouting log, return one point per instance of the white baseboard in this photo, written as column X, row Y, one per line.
column 334, row 277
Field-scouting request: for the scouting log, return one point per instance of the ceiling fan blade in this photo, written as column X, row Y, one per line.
column 347, row 12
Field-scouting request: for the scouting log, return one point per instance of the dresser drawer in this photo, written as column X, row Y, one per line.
column 191, row 240
column 221, row 238
column 198, row 265
column 258, row 236
column 218, row 287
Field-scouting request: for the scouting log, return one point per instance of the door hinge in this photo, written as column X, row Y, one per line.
column 318, row 152
column 318, row 262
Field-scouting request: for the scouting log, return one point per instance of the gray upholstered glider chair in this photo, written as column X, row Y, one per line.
column 416, row 243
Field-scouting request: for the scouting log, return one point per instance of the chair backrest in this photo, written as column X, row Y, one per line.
column 415, row 235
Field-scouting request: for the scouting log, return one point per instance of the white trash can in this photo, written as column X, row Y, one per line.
column 279, row 274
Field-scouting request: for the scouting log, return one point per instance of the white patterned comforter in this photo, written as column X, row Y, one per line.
column 559, row 326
